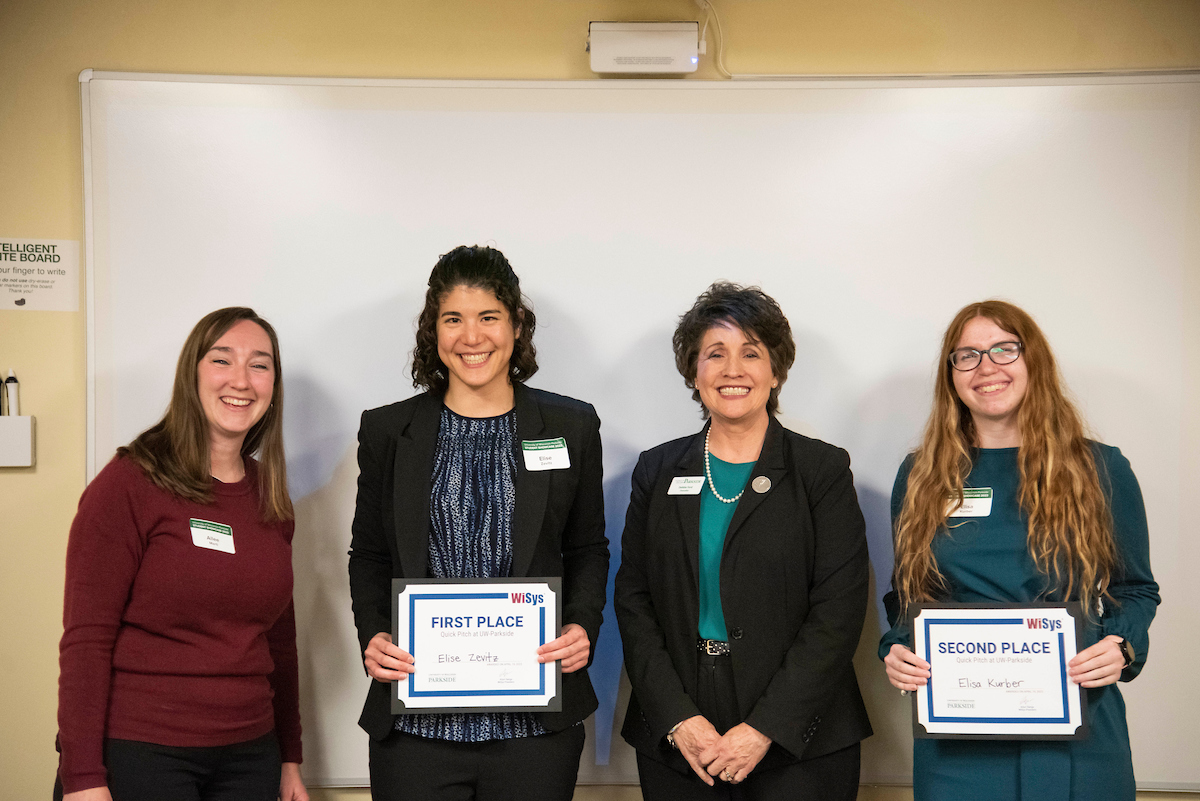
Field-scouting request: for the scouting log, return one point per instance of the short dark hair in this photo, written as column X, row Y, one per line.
column 753, row 311
column 480, row 267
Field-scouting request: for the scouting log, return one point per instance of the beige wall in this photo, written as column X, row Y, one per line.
column 45, row 43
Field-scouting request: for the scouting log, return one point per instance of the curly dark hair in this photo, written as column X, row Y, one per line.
column 753, row 311
column 479, row 267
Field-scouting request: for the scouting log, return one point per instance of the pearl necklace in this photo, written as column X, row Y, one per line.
column 712, row 485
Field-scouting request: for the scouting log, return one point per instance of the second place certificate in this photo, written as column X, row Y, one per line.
column 474, row 644
column 998, row 671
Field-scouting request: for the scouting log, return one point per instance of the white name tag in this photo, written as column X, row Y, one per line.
column 214, row 536
column 977, row 502
column 545, row 454
column 686, row 485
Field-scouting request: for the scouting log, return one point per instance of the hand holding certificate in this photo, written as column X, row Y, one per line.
column 571, row 650
column 475, row 645
column 997, row 671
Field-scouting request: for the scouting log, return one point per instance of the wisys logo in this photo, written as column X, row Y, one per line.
column 527, row 598
column 1043, row 623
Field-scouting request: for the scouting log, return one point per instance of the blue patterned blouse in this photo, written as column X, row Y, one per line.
column 472, row 496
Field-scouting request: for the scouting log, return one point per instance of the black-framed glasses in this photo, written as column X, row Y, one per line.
column 967, row 359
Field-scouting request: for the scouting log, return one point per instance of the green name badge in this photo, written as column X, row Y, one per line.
column 977, row 502
column 545, row 454
column 213, row 536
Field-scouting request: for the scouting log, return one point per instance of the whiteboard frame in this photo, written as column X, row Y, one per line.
column 742, row 83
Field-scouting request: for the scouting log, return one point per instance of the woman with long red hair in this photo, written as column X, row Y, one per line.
column 1067, row 523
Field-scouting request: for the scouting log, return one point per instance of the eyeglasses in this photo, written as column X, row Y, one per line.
column 967, row 359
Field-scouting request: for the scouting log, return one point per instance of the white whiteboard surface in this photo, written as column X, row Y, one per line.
column 871, row 210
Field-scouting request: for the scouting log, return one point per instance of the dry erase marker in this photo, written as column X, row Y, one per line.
column 10, row 390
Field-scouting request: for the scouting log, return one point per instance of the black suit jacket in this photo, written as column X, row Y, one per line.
column 558, row 525
column 793, row 591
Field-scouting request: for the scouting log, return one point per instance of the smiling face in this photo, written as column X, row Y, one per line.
column 475, row 336
column 992, row 392
column 733, row 375
column 236, row 380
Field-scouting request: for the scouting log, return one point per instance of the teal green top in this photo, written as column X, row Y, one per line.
column 986, row 559
column 715, row 515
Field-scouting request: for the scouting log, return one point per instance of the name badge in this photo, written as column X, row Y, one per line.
column 545, row 454
column 214, row 536
column 977, row 502
column 686, row 485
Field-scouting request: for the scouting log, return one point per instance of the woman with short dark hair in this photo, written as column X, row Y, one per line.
column 443, row 494
column 743, row 581
column 178, row 670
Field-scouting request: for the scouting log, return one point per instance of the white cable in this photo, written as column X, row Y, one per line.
column 720, row 60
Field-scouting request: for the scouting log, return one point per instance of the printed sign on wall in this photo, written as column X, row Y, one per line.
column 39, row 274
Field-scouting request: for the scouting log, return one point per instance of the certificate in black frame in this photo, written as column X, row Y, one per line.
column 1073, row 609
column 552, row 583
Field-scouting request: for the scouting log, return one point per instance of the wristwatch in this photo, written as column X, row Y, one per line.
column 671, row 735
column 1127, row 652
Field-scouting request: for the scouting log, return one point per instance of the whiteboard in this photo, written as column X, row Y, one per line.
column 871, row 210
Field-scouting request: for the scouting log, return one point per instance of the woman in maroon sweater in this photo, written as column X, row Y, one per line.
column 178, row 676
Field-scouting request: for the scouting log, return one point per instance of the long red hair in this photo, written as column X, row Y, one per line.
column 1070, row 522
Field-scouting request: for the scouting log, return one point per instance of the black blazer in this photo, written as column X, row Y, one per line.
column 793, row 591
column 558, row 525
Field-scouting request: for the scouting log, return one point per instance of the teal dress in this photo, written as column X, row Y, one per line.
column 987, row 560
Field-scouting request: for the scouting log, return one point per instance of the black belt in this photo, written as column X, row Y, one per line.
column 713, row 647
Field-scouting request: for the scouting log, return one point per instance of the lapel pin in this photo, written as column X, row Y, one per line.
column 761, row 484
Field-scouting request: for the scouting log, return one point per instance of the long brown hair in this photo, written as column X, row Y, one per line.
column 479, row 267
column 1070, row 522
column 174, row 452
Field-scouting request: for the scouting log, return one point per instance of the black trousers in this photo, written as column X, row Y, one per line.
column 405, row 767
column 779, row 775
column 137, row 771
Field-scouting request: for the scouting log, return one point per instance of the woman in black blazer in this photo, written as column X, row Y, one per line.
column 443, row 493
column 743, row 581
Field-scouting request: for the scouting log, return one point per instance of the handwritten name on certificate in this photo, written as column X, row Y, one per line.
column 998, row 672
column 474, row 644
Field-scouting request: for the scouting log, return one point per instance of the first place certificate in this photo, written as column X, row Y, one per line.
column 998, row 672
column 474, row 644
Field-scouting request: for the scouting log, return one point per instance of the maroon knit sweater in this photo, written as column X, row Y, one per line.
column 167, row 642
